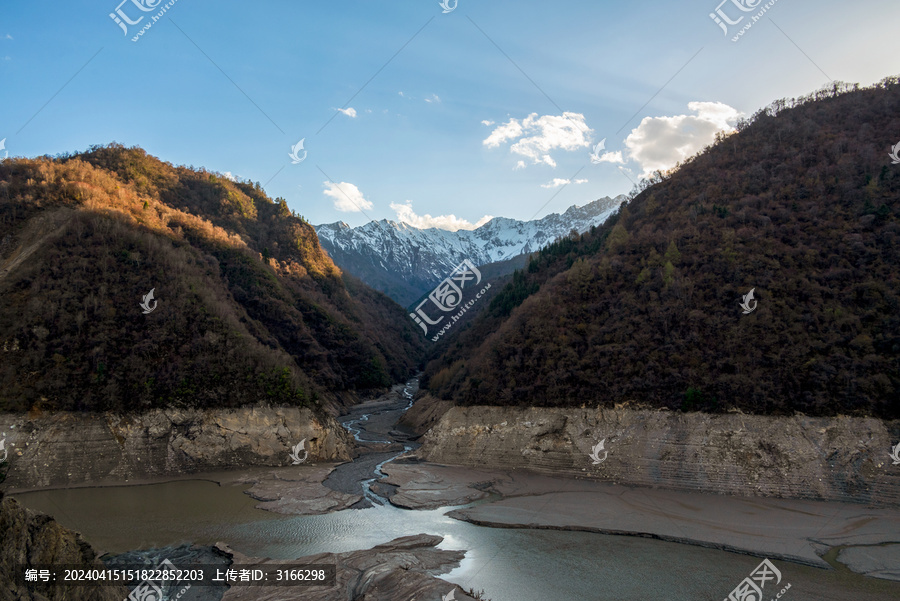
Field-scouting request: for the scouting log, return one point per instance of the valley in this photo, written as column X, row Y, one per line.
column 655, row 395
column 550, row 528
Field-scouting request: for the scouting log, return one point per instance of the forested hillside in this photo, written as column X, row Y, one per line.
column 800, row 205
column 250, row 308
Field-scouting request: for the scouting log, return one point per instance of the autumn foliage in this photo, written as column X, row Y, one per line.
column 801, row 205
column 251, row 309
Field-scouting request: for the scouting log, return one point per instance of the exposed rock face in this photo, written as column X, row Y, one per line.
column 296, row 491
column 425, row 414
column 404, row 568
column 72, row 448
column 32, row 539
column 429, row 486
column 183, row 557
column 842, row 459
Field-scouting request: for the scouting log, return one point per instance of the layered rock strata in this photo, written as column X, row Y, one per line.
column 838, row 459
column 66, row 449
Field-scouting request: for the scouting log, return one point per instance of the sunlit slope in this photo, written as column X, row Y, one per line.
column 248, row 307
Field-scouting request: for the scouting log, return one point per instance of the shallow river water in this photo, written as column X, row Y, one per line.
column 509, row 564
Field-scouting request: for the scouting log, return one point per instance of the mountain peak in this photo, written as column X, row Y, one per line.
column 401, row 260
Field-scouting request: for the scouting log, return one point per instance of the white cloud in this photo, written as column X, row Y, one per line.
column 486, row 122
column 402, row 95
column 611, row 157
column 8, row 37
column 452, row 223
column 504, row 132
column 540, row 135
column 519, row 165
column 230, row 175
column 558, row 181
column 433, row 98
column 350, row 112
column 659, row 143
column 347, row 197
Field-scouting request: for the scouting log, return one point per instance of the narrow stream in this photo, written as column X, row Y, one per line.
column 509, row 564
column 349, row 426
column 356, row 427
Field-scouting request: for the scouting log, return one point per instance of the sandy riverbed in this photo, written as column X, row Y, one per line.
column 868, row 539
column 794, row 530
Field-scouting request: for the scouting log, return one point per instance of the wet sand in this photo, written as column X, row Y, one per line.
column 793, row 530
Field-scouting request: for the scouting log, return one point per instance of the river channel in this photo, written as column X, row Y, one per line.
column 508, row 564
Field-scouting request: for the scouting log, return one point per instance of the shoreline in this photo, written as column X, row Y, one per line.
column 797, row 530
column 841, row 459
column 232, row 477
column 523, row 499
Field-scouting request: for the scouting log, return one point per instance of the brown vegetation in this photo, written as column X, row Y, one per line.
column 801, row 204
column 250, row 307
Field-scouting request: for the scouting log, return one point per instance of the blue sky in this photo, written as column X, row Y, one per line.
column 232, row 86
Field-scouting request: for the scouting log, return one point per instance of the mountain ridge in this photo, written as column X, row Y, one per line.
column 249, row 307
column 801, row 204
column 405, row 262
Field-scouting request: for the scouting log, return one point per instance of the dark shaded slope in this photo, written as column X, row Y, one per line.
column 801, row 205
column 250, row 307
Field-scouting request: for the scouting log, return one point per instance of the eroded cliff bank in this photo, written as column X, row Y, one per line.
column 839, row 459
column 78, row 448
column 31, row 539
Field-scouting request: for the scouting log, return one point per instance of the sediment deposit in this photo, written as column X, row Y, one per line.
column 837, row 459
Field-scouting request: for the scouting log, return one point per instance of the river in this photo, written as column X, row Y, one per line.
column 508, row 564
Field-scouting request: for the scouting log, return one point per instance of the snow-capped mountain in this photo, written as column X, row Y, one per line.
column 404, row 262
